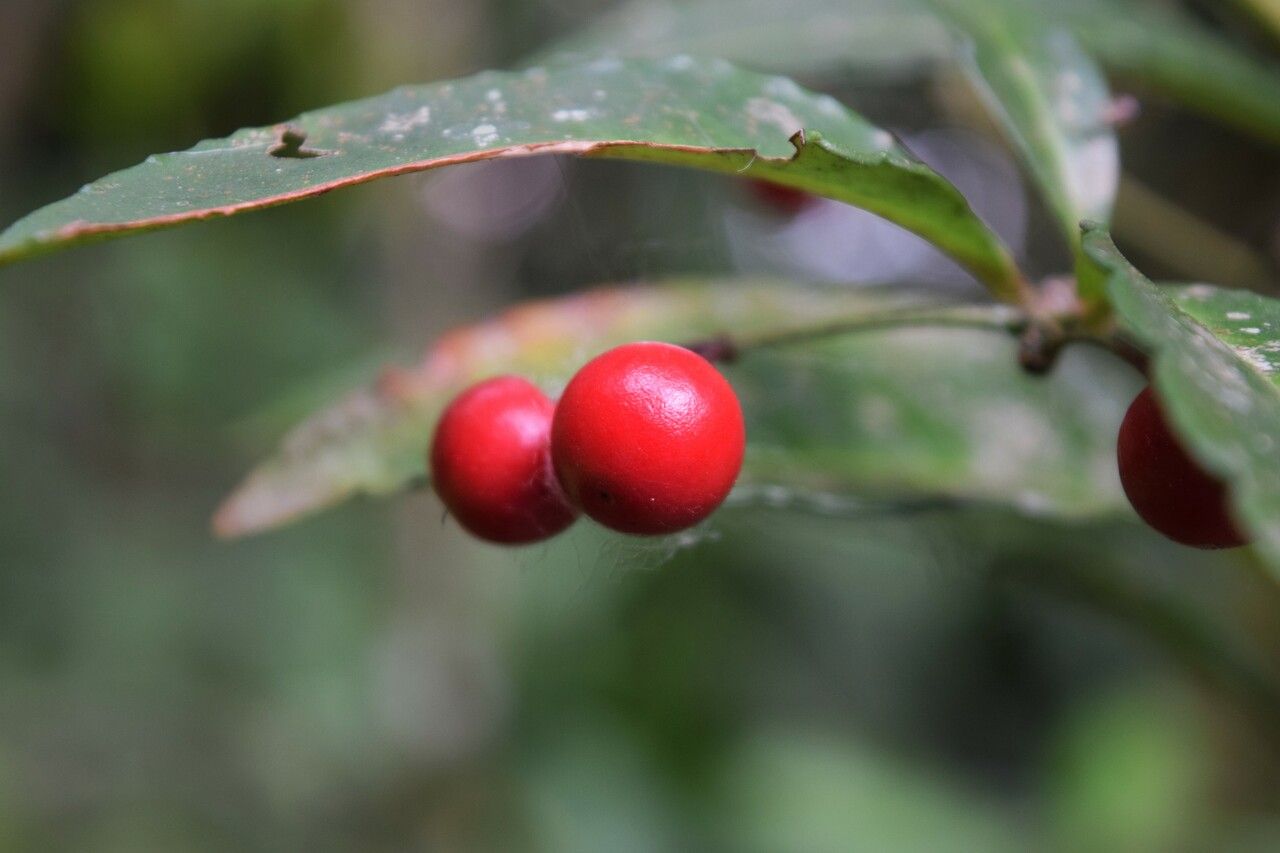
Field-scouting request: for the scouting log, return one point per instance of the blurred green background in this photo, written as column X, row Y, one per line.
column 371, row 679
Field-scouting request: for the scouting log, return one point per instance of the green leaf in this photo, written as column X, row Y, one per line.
column 1053, row 104
column 940, row 414
column 920, row 412
column 1217, row 368
column 1127, row 773
column 886, row 37
column 1265, row 14
column 1156, row 48
column 808, row 791
column 680, row 111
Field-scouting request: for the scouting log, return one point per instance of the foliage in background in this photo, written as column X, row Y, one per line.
column 369, row 681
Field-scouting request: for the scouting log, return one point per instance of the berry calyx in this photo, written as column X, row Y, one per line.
column 1168, row 488
column 648, row 438
column 491, row 464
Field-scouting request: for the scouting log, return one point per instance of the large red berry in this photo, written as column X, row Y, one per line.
column 491, row 463
column 1166, row 486
column 648, row 438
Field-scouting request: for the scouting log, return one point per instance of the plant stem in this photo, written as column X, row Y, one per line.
column 1040, row 341
column 994, row 317
column 1118, row 345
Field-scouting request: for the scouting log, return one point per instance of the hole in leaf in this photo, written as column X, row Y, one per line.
column 290, row 145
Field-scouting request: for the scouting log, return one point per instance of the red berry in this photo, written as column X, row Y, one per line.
column 781, row 199
column 491, row 463
column 648, row 438
column 1166, row 486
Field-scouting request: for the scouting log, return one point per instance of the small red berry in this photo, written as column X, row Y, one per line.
column 1167, row 488
column 648, row 438
column 783, row 200
column 491, row 463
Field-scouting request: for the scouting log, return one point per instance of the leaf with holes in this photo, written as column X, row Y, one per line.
column 1217, row 368
column 681, row 111
column 925, row 412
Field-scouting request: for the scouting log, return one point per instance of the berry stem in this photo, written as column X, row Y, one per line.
column 1041, row 338
column 995, row 317
column 1118, row 345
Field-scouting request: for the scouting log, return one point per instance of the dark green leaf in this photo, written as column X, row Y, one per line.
column 1156, row 48
column 1217, row 369
column 679, row 111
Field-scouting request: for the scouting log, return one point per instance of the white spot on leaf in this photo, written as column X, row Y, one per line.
column 1261, row 358
column 403, row 122
column 578, row 114
column 605, row 65
column 829, row 106
column 771, row 112
column 783, row 87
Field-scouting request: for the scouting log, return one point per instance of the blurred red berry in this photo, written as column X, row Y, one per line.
column 780, row 199
column 1167, row 488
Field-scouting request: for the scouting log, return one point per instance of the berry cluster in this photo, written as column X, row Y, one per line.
column 647, row 439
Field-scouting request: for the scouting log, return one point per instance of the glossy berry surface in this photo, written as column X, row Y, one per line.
column 491, row 465
column 648, row 438
column 1166, row 487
